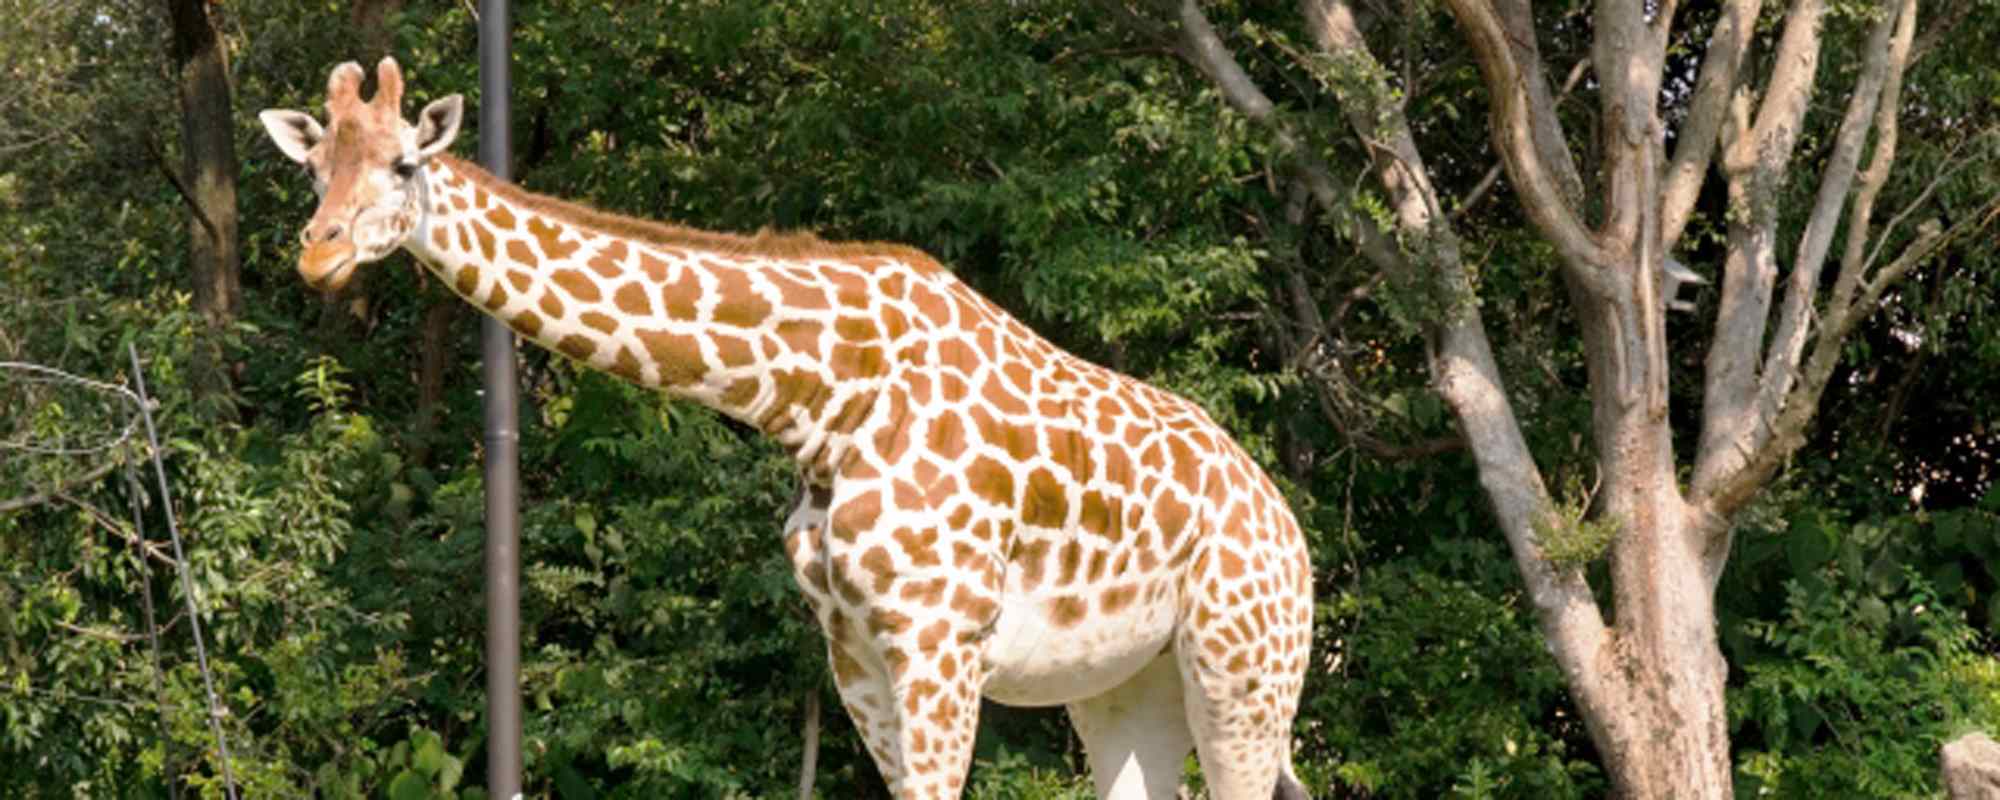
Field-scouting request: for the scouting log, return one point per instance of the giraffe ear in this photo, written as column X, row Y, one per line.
column 294, row 132
column 437, row 125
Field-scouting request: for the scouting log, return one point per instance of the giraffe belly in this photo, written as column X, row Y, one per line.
column 1039, row 655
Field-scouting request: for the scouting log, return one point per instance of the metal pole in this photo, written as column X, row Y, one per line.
column 503, row 440
column 133, row 492
column 181, row 565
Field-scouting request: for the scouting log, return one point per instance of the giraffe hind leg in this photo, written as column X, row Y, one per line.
column 1242, row 731
column 1136, row 735
column 1242, row 665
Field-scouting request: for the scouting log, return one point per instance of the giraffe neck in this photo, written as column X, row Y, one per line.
column 780, row 332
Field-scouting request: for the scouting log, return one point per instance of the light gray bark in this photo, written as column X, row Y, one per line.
column 1707, row 111
column 1758, row 408
column 1463, row 369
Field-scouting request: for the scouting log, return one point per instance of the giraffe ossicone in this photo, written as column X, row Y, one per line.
column 982, row 513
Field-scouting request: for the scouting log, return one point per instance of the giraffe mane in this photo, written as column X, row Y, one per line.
column 768, row 243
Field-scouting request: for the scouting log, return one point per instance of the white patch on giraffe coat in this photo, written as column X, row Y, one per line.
column 1033, row 661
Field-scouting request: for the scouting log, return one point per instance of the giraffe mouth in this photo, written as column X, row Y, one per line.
column 328, row 266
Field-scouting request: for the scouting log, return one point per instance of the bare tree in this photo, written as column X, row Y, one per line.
column 1648, row 673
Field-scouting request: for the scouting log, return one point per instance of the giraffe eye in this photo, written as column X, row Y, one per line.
column 405, row 169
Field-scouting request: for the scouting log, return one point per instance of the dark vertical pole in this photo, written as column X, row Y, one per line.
column 503, row 439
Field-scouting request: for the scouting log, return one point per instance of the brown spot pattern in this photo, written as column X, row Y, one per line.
column 990, row 480
column 627, row 366
column 577, row 346
column 576, row 284
column 486, row 243
column 1044, row 504
column 527, row 323
column 631, row 298
column 677, row 356
column 1068, row 610
column 738, row 303
column 549, row 237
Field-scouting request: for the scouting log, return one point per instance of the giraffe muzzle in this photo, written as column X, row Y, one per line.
column 327, row 265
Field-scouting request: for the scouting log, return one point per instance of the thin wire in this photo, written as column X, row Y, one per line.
column 52, row 375
column 180, row 560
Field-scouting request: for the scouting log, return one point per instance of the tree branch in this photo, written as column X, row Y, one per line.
column 154, row 551
column 1197, row 43
column 180, row 186
column 1785, row 98
column 1707, row 111
column 57, row 492
column 1754, row 156
column 1789, row 339
column 1853, row 262
column 1492, row 176
column 1463, row 370
column 1942, row 23
column 1523, row 118
column 109, row 636
column 1378, row 447
column 1730, row 494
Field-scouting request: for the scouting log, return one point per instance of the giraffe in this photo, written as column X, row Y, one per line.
column 981, row 514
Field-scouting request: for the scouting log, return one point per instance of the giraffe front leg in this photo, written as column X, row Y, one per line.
column 915, row 713
column 907, row 655
column 805, row 545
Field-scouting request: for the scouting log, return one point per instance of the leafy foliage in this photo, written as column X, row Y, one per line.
column 333, row 529
column 1442, row 687
column 1858, row 690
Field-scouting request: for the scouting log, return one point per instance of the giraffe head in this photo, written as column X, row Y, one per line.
column 368, row 172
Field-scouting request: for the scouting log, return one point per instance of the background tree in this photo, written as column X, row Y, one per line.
column 1084, row 176
column 208, row 183
column 1611, row 206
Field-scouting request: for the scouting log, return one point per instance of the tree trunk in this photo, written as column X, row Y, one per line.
column 1663, row 730
column 208, row 146
column 437, row 352
column 372, row 19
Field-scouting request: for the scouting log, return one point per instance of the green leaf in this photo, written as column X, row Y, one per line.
column 408, row 786
column 450, row 772
column 1947, row 529
column 430, row 755
column 1808, row 546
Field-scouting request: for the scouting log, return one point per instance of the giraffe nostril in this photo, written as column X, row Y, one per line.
column 318, row 235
